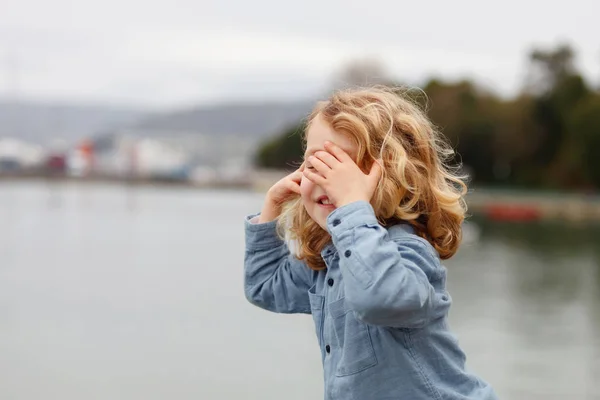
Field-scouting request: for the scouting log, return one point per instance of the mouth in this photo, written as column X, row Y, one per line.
column 325, row 202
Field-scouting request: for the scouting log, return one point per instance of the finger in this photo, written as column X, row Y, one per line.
column 296, row 176
column 319, row 165
column 376, row 170
column 294, row 187
column 327, row 158
column 375, row 173
column 337, row 152
column 314, row 178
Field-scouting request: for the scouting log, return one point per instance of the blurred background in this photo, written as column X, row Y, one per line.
column 136, row 136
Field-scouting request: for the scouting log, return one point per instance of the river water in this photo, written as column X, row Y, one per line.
column 115, row 292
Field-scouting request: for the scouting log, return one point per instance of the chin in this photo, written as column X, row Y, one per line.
column 322, row 224
column 322, row 219
column 319, row 217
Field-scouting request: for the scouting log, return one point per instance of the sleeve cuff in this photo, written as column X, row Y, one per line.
column 350, row 216
column 260, row 236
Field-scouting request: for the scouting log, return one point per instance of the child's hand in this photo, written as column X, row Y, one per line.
column 279, row 193
column 340, row 177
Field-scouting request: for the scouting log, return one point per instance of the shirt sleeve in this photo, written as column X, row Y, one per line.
column 274, row 279
column 385, row 280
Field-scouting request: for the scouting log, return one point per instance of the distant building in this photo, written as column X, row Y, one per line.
column 175, row 154
column 18, row 155
column 136, row 156
column 80, row 160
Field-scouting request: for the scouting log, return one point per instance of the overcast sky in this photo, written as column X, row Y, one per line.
column 170, row 53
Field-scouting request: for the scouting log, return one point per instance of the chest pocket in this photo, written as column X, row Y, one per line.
column 354, row 339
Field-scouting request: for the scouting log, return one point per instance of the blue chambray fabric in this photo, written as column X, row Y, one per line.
column 380, row 308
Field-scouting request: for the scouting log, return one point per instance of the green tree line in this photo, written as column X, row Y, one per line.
column 548, row 136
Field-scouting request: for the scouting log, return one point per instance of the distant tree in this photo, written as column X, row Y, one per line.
column 362, row 72
column 548, row 67
column 282, row 151
column 585, row 125
column 557, row 89
column 547, row 136
column 517, row 138
column 464, row 114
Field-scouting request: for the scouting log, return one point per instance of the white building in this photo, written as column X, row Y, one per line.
column 17, row 154
column 142, row 157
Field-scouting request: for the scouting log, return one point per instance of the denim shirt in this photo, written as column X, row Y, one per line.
column 380, row 308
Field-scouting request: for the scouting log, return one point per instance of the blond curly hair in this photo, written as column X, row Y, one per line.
column 418, row 186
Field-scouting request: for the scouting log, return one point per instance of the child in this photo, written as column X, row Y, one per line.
column 372, row 209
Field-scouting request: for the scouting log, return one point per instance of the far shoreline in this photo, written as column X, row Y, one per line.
column 498, row 204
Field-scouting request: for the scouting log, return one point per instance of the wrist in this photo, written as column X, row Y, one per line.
column 270, row 211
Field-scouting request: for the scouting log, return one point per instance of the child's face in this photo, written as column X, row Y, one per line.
column 313, row 195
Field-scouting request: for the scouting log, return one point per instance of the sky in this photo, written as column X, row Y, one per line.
column 168, row 54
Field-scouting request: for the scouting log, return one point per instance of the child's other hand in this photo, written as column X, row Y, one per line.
column 279, row 193
column 340, row 177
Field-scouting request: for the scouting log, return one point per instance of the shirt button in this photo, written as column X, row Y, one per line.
column 348, row 253
column 330, row 282
column 328, row 349
column 336, row 222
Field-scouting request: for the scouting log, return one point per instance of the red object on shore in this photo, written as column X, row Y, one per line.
column 513, row 212
column 56, row 163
